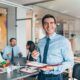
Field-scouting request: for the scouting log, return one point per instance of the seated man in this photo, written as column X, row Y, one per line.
column 11, row 51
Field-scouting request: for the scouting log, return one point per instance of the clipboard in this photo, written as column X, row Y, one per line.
column 36, row 64
column 45, row 68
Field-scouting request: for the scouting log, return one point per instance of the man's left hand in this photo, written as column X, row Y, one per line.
column 47, row 68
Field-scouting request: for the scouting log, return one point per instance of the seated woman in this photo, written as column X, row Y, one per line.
column 31, row 47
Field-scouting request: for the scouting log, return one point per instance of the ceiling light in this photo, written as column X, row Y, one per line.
column 51, row 7
column 64, row 11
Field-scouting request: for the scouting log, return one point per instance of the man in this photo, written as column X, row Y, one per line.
column 54, row 50
column 11, row 51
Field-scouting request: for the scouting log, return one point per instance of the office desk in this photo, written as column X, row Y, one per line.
column 15, row 75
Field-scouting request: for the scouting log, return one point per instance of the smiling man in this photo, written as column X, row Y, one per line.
column 54, row 50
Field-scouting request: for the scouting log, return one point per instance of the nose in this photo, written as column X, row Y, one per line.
column 49, row 24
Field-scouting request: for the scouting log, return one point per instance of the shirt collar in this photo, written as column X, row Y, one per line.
column 52, row 36
column 11, row 46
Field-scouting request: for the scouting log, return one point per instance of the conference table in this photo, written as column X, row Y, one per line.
column 16, row 75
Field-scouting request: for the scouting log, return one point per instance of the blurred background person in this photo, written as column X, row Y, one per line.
column 11, row 51
column 31, row 47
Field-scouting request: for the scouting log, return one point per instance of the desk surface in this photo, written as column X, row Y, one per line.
column 15, row 75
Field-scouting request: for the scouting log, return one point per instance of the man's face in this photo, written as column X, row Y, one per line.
column 13, row 43
column 49, row 26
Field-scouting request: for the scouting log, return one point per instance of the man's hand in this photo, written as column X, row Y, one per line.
column 47, row 68
column 35, row 54
column 9, row 54
column 8, row 61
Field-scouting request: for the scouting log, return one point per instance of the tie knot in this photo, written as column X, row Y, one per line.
column 48, row 39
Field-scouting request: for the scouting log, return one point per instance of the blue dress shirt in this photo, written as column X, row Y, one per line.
column 8, row 49
column 59, row 52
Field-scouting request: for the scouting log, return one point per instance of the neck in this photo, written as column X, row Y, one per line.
column 50, row 34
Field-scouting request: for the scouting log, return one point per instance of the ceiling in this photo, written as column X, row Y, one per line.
column 27, row 2
column 69, row 7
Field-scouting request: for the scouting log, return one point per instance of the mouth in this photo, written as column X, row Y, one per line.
column 49, row 29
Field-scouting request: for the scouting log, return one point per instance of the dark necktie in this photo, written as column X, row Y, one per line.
column 12, row 57
column 46, row 50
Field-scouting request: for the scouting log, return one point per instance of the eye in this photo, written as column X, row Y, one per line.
column 45, row 23
column 52, row 23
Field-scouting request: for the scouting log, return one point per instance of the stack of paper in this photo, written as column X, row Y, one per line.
column 36, row 64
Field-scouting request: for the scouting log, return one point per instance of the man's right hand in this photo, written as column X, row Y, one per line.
column 35, row 54
column 9, row 54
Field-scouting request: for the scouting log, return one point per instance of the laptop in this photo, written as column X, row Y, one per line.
column 20, row 60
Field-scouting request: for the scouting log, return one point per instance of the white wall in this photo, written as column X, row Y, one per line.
column 11, row 23
column 21, row 30
column 21, row 36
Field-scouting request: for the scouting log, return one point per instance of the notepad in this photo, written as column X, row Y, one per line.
column 29, row 70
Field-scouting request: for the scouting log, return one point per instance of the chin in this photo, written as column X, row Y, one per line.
column 50, row 32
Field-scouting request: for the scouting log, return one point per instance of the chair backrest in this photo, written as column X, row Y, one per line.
column 76, row 71
column 1, row 53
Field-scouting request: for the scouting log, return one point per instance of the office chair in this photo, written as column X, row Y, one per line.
column 76, row 71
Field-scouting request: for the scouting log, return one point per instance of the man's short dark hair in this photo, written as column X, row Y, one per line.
column 48, row 16
column 12, row 39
